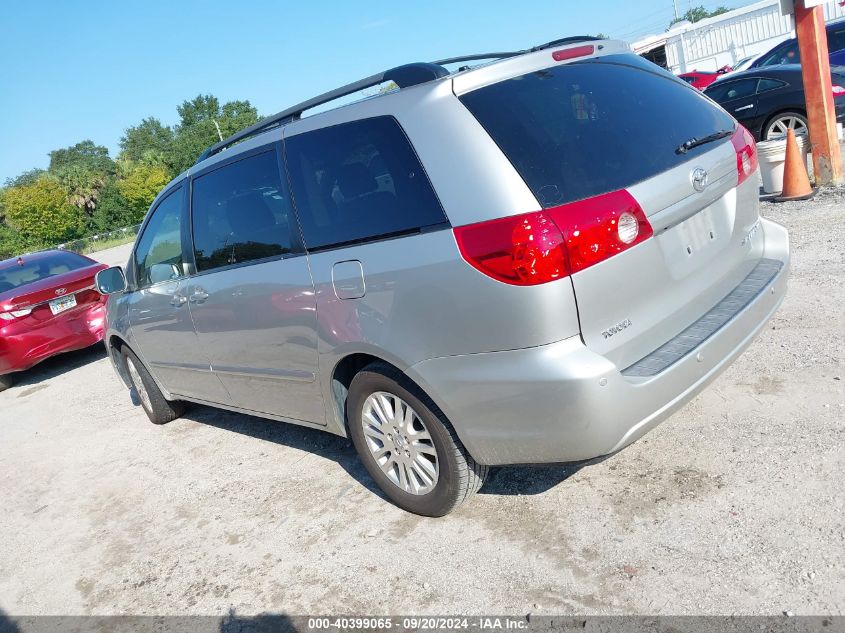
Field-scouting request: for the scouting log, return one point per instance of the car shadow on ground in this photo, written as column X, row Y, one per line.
column 58, row 365
column 503, row 480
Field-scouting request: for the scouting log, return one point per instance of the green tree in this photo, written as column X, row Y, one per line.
column 197, row 130
column 695, row 14
column 148, row 142
column 85, row 154
column 112, row 210
column 26, row 178
column 82, row 185
column 83, row 170
column 200, row 108
column 12, row 242
column 41, row 213
column 139, row 189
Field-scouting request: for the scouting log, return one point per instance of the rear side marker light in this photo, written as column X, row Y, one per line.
column 577, row 51
column 746, row 153
column 535, row 248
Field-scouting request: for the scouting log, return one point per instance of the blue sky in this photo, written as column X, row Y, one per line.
column 76, row 70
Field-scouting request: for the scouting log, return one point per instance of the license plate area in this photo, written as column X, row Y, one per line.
column 57, row 306
column 690, row 245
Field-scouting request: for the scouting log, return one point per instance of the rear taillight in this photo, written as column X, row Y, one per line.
column 15, row 314
column 838, row 91
column 535, row 248
column 746, row 153
column 523, row 250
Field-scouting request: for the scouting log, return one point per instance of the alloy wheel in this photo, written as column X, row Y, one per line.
column 779, row 127
column 400, row 443
column 138, row 383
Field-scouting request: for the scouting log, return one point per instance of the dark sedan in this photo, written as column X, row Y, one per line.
column 769, row 101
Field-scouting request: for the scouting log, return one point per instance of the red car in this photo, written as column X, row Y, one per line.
column 701, row 79
column 48, row 305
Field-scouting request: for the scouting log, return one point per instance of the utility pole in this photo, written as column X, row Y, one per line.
column 675, row 5
column 818, row 91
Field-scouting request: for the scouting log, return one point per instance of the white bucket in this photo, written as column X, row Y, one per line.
column 772, row 156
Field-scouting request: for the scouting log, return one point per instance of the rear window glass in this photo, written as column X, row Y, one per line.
column 29, row 269
column 359, row 181
column 581, row 129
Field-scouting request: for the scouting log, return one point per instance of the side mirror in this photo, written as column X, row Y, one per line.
column 163, row 272
column 110, row 281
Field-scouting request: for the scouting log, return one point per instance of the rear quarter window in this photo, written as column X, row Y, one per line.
column 581, row 129
column 359, row 181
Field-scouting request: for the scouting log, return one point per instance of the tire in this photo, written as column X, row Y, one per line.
column 6, row 381
column 783, row 120
column 436, row 473
column 159, row 409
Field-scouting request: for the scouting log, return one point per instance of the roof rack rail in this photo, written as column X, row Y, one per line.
column 402, row 76
column 476, row 57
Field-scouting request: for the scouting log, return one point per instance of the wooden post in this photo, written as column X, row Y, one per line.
column 818, row 92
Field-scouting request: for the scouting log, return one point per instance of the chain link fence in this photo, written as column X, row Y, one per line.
column 101, row 241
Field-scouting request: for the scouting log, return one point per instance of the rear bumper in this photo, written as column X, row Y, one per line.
column 562, row 402
column 24, row 345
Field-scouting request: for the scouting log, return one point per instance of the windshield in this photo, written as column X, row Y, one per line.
column 582, row 129
column 29, row 269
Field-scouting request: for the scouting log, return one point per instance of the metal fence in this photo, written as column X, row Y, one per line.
column 93, row 242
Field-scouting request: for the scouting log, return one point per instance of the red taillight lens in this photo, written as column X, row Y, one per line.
column 523, row 250
column 539, row 247
column 601, row 227
column 746, row 153
column 570, row 53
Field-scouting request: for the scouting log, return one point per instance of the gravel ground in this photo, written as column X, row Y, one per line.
column 734, row 505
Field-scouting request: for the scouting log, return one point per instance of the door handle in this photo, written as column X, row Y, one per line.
column 178, row 300
column 198, row 296
column 745, row 107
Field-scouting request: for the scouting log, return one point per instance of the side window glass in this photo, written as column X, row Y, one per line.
column 768, row 84
column 739, row 89
column 787, row 54
column 159, row 256
column 836, row 40
column 240, row 213
column 358, row 181
column 717, row 90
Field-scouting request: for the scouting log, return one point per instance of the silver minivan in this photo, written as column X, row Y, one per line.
column 532, row 260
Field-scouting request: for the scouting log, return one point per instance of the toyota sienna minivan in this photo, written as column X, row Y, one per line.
column 532, row 260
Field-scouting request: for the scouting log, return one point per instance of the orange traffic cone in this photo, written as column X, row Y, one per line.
column 796, row 184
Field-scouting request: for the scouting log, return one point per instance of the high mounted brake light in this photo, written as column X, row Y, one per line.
column 535, row 248
column 570, row 53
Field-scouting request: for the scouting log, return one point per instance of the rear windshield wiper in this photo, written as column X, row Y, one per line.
column 684, row 147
